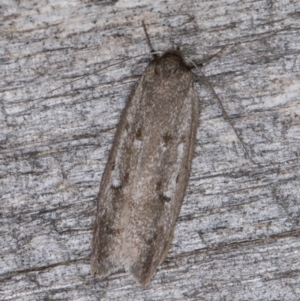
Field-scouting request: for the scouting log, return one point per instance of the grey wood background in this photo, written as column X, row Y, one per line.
column 237, row 236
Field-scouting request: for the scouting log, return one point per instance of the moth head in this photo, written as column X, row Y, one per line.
column 170, row 62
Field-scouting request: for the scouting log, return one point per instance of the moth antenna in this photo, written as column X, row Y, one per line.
column 83, row 76
column 152, row 51
column 209, row 58
column 222, row 107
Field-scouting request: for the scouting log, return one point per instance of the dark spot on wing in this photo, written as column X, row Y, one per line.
column 167, row 138
column 164, row 198
column 158, row 187
column 126, row 177
column 159, row 191
column 138, row 134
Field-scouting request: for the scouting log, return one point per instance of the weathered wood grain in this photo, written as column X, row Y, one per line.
column 238, row 233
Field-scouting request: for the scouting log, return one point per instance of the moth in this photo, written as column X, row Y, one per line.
column 146, row 176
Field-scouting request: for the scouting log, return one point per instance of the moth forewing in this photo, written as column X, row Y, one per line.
column 147, row 173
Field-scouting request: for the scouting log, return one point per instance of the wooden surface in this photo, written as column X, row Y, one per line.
column 238, row 233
